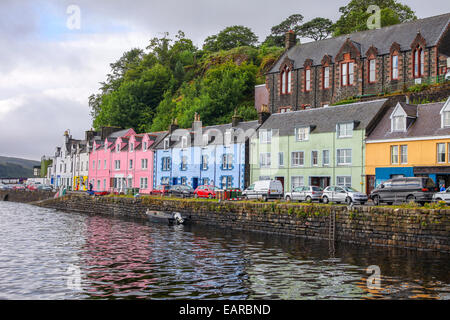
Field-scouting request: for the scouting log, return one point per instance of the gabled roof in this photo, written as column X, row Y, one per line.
column 222, row 128
column 325, row 119
column 404, row 34
column 427, row 124
column 409, row 110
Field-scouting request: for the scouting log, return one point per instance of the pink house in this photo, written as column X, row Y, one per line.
column 124, row 160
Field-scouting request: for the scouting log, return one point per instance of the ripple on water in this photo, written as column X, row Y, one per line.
column 127, row 260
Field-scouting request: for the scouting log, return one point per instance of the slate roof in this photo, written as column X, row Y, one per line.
column 325, row 119
column 404, row 34
column 118, row 134
column 211, row 129
column 427, row 124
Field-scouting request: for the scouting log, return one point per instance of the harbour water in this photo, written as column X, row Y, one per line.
column 48, row 254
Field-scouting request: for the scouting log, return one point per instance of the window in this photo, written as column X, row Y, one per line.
column 166, row 164
column 281, row 159
column 418, row 62
column 446, row 118
column 302, row 134
column 394, row 67
column 227, row 138
column 265, row 136
column 441, row 152
column 183, row 163
column 283, row 82
column 372, row 70
column 399, row 123
column 99, row 164
column 93, row 166
column 326, row 77
column 298, row 158
column 131, row 147
column 144, row 183
column 117, row 164
column 145, row 145
column 344, row 156
column 144, row 164
column 289, row 81
column 344, row 181
column 205, row 139
column 347, row 73
column 104, row 164
column 104, row 184
column 166, row 144
column 184, row 141
column 298, row 181
column 131, row 164
column 308, row 80
column 204, row 162
column 183, row 181
column 394, row 154
column 345, row 130
column 117, row 147
column 227, row 182
column 286, row 80
column 165, row 181
column 404, row 154
column 98, row 184
column 326, row 157
column 314, row 158
column 227, row 161
column 205, row 181
column 264, row 160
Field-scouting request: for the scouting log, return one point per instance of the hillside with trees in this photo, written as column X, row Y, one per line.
column 172, row 78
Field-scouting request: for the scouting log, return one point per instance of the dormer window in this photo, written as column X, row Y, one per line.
column 184, row 141
column 145, row 145
column 166, row 143
column 117, row 147
column 265, row 136
column 205, row 139
column 302, row 134
column 345, row 130
column 399, row 123
column 131, row 147
column 445, row 114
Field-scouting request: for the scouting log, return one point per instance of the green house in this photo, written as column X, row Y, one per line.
column 320, row 147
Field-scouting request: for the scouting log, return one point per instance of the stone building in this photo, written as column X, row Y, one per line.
column 364, row 63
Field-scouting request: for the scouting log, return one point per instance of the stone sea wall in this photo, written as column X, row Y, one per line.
column 417, row 228
column 25, row 196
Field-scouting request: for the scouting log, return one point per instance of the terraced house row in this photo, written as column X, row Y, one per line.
column 298, row 138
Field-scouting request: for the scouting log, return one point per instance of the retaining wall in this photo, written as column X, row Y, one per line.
column 423, row 229
column 25, row 196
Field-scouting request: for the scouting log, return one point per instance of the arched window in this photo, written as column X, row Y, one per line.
column 394, row 66
column 372, row 70
column 418, row 62
column 308, row 79
column 286, row 80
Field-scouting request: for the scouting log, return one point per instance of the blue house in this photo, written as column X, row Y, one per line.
column 213, row 155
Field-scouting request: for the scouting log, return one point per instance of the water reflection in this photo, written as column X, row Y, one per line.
column 129, row 260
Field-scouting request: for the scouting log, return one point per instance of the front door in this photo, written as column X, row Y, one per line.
column 370, row 184
column 194, row 183
column 174, row 181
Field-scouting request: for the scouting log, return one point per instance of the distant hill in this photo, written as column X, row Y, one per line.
column 16, row 167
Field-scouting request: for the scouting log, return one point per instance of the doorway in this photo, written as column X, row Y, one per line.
column 321, row 182
column 281, row 179
column 194, row 183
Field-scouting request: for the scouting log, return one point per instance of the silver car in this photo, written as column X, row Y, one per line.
column 339, row 194
column 304, row 194
column 442, row 196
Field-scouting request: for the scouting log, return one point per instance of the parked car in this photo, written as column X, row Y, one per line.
column 442, row 196
column 311, row 193
column 181, row 191
column 412, row 189
column 43, row 187
column 340, row 194
column 161, row 190
column 18, row 187
column 5, row 187
column 264, row 190
column 205, row 192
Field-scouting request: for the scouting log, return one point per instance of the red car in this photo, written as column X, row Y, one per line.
column 205, row 192
column 161, row 190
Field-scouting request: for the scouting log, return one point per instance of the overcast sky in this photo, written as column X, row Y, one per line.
column 48, row 71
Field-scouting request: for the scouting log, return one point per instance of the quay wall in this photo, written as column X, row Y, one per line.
column 25, row 196
column 415, row 228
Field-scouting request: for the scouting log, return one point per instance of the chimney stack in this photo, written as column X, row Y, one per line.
column 263, row 114
column 173, row 126
column 290, row 40
column 236, row 119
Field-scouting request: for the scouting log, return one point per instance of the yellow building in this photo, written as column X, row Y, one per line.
column 410, row 140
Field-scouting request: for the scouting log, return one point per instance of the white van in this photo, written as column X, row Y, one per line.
column 264, row 190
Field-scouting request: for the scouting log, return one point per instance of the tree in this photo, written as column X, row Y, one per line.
column 354, row 15
column 277, row 35
column 229, row 38
column 317, row 29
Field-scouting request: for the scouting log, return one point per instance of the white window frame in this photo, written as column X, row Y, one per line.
column 395, row 156
column 312, row 158
column 327, row 164
column 345, row 157
column 402, row 155
column 301, row 182
column 326, row 77
column 372, row 70
column 347, row 181
column 302, row 133
column 265, row 136
column 345, row 130
column 166, row 143
column 438, row 153
column 281, row 159
column 300, row 159
column 265, row 160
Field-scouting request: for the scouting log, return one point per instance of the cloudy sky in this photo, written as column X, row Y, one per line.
column 49, row 67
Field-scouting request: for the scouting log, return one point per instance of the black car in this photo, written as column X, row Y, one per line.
column 414, row 189
column 181, row 191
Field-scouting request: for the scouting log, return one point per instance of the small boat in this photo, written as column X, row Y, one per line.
column 170, row 218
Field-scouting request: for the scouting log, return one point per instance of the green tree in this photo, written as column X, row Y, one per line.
column 354, row 15
column 277, row 35
column 317, row 29
column 230, row 37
